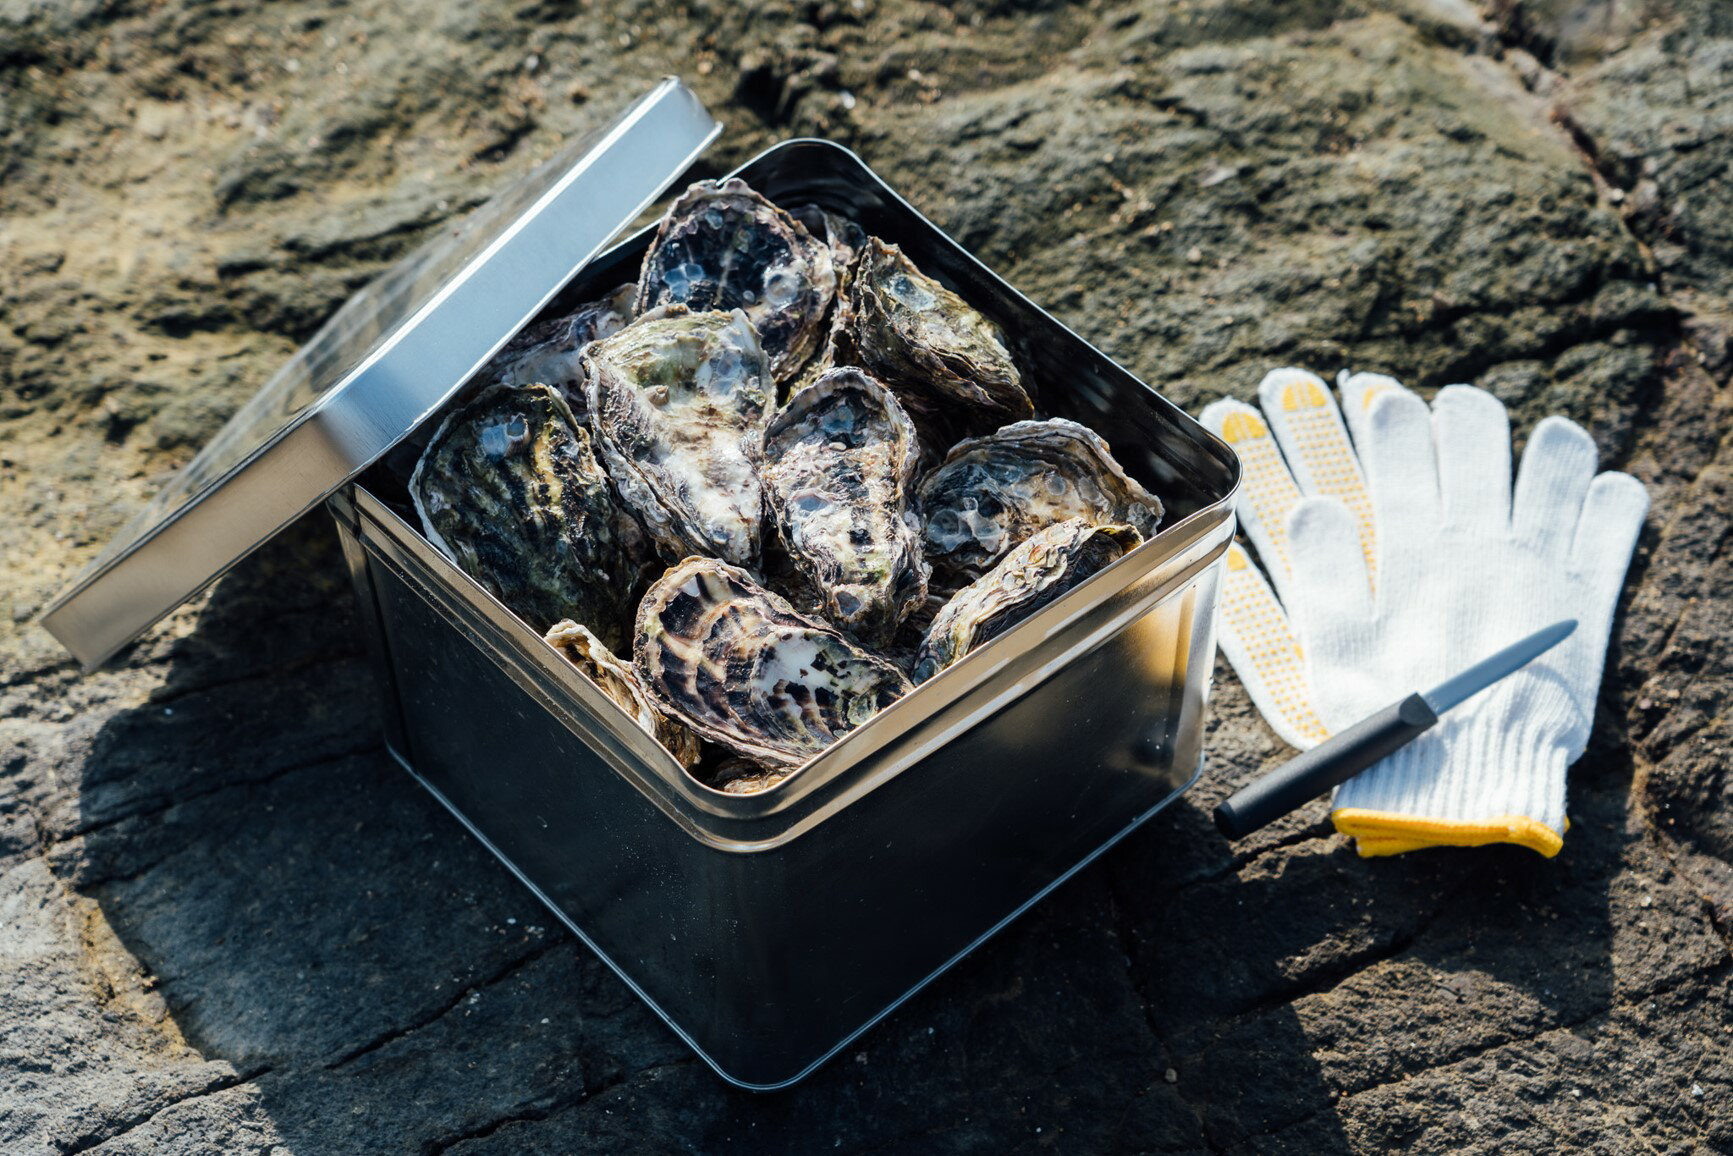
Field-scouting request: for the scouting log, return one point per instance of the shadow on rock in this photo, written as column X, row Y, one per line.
column 1296, row 975
column 380, row 983
column 310, row 915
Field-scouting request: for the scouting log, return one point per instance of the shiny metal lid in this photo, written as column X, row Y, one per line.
column 394, row 353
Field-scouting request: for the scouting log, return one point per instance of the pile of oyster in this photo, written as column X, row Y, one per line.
column 732, row 472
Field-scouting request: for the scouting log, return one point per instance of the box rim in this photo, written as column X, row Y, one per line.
column 765, row 821
column 965, row 678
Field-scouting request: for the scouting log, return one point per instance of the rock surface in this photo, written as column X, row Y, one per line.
column 229, row 924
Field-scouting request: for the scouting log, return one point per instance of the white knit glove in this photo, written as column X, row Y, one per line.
column 1405, row 563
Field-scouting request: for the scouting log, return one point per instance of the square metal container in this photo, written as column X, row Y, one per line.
column 769, row 930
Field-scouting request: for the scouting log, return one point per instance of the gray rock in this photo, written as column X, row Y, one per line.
column 231, row 924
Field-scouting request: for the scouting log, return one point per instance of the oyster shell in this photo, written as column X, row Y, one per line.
column 754, row 783
column 723, row 246
column 678, row 402
column 738, row 776
column 845, row 237
column 1039, row 570
column 945, row 361
column 739, row 666
column 551, row 352
column 619, row 681
column 510, row 490
column 839, row 467
column 992, row 492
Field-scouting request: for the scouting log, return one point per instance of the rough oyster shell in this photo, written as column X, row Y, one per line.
column 845, row 237
column 992, row 492
column 946, row 362
column 510, row 490
column 752, row 784
column 620, row 682
column 1035, row 573
column 839, row 469
column 678, row 403
column 739, row 666
column 723, row 246
column 551, row 352
column 738, row 776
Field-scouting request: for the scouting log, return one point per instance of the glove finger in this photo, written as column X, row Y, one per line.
column 1359, row 390
column 1606, row 535
column 1471, row 431
column 1267, row 489
column 1303, row 416
column 1557, row 467
column 1260, row 645
column 1401, row 467
column 1332, row 602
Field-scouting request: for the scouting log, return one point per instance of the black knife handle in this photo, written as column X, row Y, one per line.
column 1335, row 760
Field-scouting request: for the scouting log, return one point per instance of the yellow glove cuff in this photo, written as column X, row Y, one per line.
column 1378, row 833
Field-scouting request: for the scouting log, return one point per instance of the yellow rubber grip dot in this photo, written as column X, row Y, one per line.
column 1242, row 427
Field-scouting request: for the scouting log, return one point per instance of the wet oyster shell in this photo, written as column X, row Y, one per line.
column 945, row 361
column 1028, row 578
column 619, row 681
column 845, row 237
column 992, row 492
column 723, row 246
column 678, row 404
column 738, row 776
column 739, row 666
column 510, row 490
column 551, row 352
column 753, row 784
column 839, row 470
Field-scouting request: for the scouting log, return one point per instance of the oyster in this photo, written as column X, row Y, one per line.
column 754, row 783
column 619, row 681
column 678, row 402
column 738, row 776
column 839, row 466
column 551, row 352
column 945, row 362
column 723, row 246
column 845, row 238
column 739, row 666
column 992, row 492
column 1035, row 573
column 510, row 490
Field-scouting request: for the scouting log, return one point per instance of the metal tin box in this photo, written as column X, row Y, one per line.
column 769, row 930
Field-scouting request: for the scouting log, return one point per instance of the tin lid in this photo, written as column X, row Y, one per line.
column 394, row 353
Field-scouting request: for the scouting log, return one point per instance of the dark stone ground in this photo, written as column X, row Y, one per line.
column 229, row 925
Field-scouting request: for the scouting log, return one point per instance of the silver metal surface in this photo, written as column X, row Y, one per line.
column 1452, row 691
column 391, row 356
column 770, row 929
column 950, row 704
column 817, row 1062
